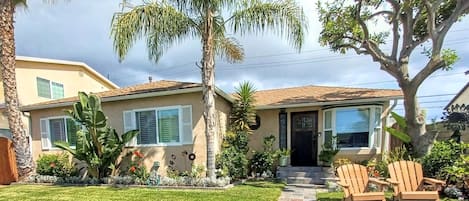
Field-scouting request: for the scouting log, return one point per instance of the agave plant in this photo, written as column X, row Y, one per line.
column 97, row 144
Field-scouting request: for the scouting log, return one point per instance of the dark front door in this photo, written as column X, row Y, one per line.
column 304, row 127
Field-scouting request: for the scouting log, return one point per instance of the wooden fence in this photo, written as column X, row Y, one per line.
column 8, row 170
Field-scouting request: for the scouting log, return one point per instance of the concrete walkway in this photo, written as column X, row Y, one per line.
column 300, row 192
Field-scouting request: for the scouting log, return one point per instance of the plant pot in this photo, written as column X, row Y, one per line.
column 283, row 161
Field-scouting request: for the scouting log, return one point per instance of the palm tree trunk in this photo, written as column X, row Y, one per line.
column 208, row 85
column 21, row 142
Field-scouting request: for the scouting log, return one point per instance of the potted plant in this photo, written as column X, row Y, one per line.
column 327, row 154
column 284, row 154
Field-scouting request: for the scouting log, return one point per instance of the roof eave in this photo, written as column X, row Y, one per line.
column 129, row 97
column 457, row 96
column 354, row 101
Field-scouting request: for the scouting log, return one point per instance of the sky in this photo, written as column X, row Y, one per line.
column 80, row 31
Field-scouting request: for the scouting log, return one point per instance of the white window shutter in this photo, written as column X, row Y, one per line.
column 45, row 134
column 187, row 124
column 130, row 124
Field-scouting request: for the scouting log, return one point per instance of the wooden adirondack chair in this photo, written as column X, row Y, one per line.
column 354, row 180
column 408, row 182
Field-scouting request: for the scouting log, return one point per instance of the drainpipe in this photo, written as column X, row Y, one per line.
column 387, row 137
column 30, row 130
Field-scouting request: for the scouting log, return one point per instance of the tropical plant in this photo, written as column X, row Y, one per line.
column 97, row 144
column 21, row 143
column 350, row 25
column 243, row 114
column 58, row 165
column 165, row 23
column 399, row 131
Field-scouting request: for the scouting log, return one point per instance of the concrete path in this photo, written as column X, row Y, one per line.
column 300, row 192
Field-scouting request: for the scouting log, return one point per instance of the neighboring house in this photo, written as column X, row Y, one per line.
column 462, row 97
column 169, row 116
column 40, row 80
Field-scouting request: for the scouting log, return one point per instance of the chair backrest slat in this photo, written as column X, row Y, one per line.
column 407, row 173
column 354, row 175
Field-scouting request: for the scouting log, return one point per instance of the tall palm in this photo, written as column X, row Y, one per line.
column 166, row 22
column 21, row 143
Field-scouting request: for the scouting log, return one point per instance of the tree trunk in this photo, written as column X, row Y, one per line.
column 422, row 140
column 21, row 141
column 208, row 84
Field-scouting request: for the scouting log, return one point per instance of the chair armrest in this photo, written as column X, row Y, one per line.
column 433, row 181
column 377, row 181
column 344, row 185
column 393, row 182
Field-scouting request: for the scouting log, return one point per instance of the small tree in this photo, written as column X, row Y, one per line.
column 233, row 158
column 98, row 144
column 350, row 25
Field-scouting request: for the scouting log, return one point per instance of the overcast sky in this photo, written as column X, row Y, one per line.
column 79, row 30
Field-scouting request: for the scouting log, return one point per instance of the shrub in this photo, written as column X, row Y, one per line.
column 55, row 165
column 137, row 168
column 232, row 163
column 442, row 155
column 263, row 162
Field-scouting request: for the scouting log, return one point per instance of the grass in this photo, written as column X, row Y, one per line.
column 258, row 191
column 338, row 196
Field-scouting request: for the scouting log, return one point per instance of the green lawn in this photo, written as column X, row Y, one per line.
column 257, row 191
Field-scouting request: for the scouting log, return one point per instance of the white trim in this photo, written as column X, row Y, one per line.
column 331, row 103
column 371, row 128
column 116, row 98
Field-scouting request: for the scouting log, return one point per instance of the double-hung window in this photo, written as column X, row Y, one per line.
column 49, row 89
column 353, row 127
column 56, row 129
column 160, row 126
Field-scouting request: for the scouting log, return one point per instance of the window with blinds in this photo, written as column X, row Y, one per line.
column 160, row 126
column 56, row 129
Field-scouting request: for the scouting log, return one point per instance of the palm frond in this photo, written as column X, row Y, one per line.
column 283, row 17
column 229, row 48
column 161, row 23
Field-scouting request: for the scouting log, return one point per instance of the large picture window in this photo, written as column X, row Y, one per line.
column 56, row 129
column 160, row 126
column 353, row 127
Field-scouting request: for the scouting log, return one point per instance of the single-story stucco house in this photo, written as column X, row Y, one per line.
column 169, row 115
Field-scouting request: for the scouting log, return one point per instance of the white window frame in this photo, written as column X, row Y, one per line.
column 50, row 88
column 49, row 133
column 156, row 109
column 371, row 128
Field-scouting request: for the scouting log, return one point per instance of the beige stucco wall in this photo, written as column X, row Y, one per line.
column 74, row 78
column 270, row 126
column 163, row 154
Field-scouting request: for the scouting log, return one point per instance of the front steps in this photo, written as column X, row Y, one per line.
column 304, row 175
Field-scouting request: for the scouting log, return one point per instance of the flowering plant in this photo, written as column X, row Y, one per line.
column 137, row 168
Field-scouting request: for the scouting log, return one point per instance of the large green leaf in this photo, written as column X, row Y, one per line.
column 399, row 120
column 399, row 134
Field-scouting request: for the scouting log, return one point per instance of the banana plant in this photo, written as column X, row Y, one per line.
column 98, row 145
column 399, row 132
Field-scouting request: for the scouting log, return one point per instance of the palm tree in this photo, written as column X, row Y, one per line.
column 21, row 143
column 166, row 22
